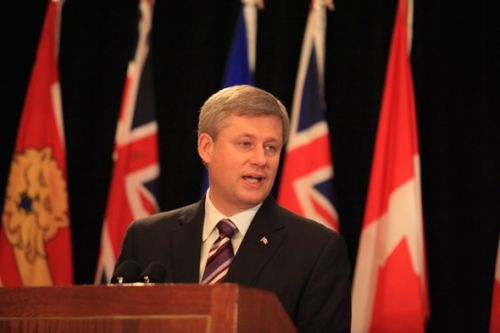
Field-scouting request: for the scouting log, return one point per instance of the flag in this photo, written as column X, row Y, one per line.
column 35, row 238
column 240, row 64
column 495, row 304
column 134, row 184
column 306, row 185
column 390, row 283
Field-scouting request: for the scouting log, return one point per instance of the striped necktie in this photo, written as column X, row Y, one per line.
column 221, row 253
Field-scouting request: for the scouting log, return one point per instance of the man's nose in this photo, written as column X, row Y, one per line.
column 259, row 156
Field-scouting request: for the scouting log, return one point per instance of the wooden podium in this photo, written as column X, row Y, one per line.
column 142, row 308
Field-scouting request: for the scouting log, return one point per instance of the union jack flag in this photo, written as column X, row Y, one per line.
column 134, row 184
column 306, row 185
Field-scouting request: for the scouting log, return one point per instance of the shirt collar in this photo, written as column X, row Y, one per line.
column 242, row 219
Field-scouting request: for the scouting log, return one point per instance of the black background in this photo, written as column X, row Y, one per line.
column 455, row 64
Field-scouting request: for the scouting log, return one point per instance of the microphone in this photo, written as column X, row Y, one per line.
column 127, row 272
column 154, row 273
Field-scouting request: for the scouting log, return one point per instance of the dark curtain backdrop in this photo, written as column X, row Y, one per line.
column 456, row 69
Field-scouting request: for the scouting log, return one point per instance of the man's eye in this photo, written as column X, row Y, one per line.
column 245, row 144
column 271, row 148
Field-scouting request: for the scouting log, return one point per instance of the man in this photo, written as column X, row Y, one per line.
column 241, row 132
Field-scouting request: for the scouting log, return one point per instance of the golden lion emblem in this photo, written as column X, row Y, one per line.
column 36, row 207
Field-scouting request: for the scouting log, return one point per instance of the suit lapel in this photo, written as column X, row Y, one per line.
column 262, row 239
column 186, row 244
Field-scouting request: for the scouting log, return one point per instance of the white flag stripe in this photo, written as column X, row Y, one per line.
column 134, row 183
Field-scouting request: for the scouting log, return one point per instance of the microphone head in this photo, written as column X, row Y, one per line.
column 127, row 272
column 154, row 273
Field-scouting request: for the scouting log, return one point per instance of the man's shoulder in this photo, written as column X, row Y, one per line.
column 168, row 220
column 301, row 226
column 308, row 238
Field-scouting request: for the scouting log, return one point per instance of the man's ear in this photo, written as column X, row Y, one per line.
column 205, row 147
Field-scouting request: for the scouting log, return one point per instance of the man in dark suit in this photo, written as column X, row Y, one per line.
column 241, row 132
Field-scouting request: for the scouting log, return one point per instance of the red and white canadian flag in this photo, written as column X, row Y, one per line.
column 390, row 284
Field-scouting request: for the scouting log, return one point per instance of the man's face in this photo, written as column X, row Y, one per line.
column 242, row 162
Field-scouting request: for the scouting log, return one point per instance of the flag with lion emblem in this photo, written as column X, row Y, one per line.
column 35, row 238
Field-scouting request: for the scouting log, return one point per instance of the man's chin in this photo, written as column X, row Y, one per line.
column 254, row 199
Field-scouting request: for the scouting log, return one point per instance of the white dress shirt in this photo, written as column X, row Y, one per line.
column 210, row 233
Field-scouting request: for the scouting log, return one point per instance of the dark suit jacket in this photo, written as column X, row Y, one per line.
column 304, row 263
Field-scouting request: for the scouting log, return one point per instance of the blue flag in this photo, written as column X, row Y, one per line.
column 237, row 70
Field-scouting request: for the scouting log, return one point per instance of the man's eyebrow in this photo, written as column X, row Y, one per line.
column 253, row 136
column 241, row 135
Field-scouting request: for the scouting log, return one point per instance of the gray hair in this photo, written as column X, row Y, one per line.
column 241, row 100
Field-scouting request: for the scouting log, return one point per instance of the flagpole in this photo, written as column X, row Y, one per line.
column 250, row 12
column 409, row 24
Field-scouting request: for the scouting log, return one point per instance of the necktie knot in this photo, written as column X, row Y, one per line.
column 221, row 254
column 226, row 228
